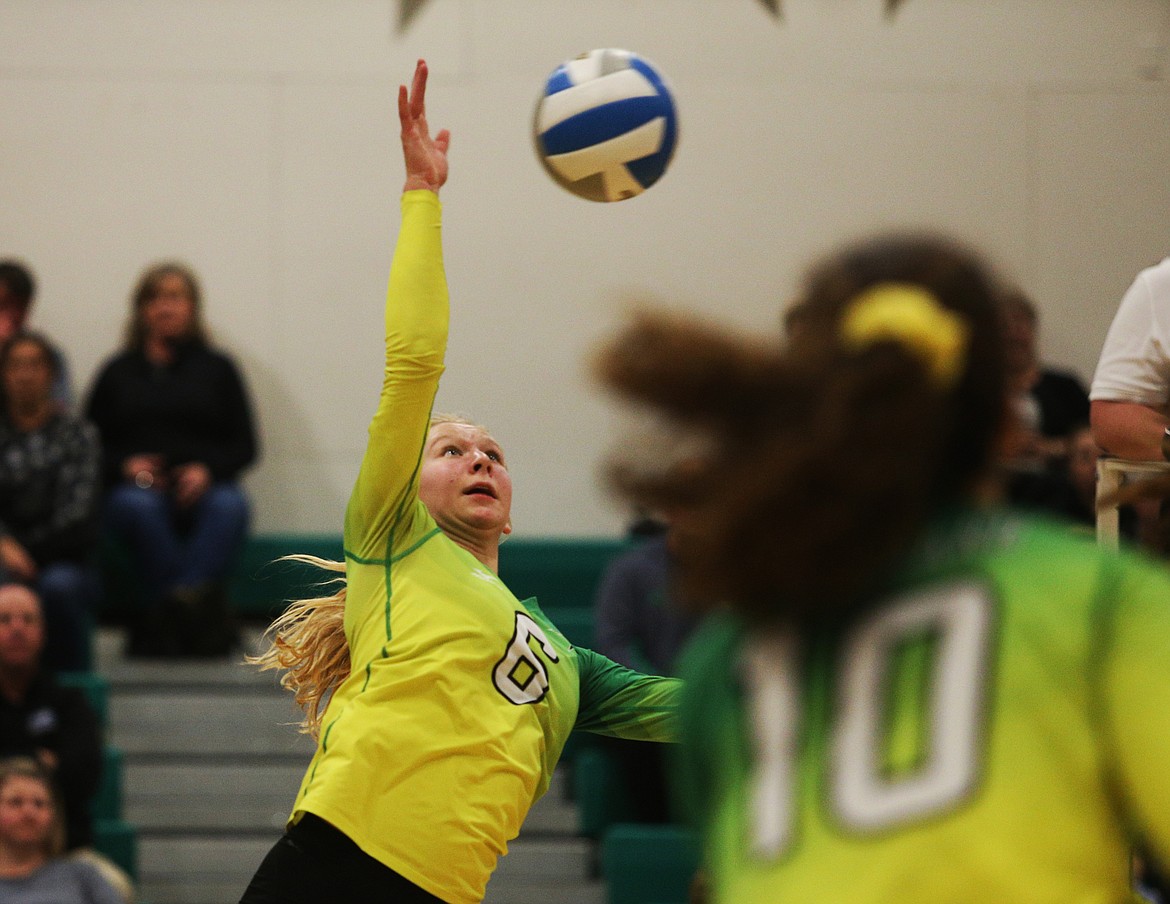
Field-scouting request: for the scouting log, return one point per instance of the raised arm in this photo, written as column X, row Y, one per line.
column 416, row 339
column 1129, row 429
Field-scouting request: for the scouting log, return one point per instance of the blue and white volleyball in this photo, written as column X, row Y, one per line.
column 606, row 125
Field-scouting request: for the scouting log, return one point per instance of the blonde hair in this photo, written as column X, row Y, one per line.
column 27, row 767
column 308, row 642
column 440, row 418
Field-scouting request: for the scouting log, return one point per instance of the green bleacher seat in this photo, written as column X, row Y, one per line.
column 97, row 691
column 562, row 573
column 261, row 585
column 118, row 840
column 575, row 624
column 113, row 836
column 107, row 803
column 648, row 864
column 599, row 791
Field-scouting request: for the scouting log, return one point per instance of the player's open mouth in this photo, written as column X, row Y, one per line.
column 480, row 489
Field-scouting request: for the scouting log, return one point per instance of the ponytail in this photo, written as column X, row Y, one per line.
column 822, row 461
column 308, row 642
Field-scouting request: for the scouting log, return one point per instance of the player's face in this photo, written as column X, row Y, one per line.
column 464, row 482
column 26, row 812
column 22, row 628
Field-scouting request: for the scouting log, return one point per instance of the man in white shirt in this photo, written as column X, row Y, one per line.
column 1130, row 395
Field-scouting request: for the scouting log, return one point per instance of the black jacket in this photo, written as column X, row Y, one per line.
column 195, row 409
column 59, row 719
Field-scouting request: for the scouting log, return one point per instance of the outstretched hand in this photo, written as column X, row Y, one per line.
column 425, row 157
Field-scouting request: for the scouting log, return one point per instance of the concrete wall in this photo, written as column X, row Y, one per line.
column 256, row 139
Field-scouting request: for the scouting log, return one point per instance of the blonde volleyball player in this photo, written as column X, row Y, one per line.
column 441, row 703
column 917, row 696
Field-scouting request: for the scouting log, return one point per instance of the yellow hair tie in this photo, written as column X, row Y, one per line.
column 910, row 315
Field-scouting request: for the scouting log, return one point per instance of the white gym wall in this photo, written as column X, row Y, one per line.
column 256, row 139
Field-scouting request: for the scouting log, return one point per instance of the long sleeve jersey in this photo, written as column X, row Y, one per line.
column 460, row 697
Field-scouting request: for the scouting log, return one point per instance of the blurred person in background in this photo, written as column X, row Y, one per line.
column 33, row 869
column 177, row 433
column 49, row 492
column 39, row 718
column 18, row 291
column 639, row 623
column 1050, row 402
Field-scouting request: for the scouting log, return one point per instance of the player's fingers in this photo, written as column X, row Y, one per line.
column 443, row 141
column 418, row 90
column 403, row 107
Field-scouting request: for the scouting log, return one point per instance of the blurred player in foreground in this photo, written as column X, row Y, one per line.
column 914, row 695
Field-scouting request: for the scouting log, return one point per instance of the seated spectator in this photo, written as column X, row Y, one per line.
column 32, row 868
column 54, row 725
column 49, row 490
column 18, row 290
column 640, row 624
column 1131, row 388
column 1050, row 403
column 638, row 621
column 1069, row 492
column 176, row 433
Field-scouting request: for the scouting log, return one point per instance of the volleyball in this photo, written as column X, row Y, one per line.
column 605, row 125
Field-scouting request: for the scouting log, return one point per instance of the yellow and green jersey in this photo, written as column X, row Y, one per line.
column 996, row 728
column 460, row 697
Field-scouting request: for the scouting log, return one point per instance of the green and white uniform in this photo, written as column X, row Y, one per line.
column 460, row 697
column 996, row 728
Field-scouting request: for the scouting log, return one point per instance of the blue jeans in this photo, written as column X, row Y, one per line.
column 179, row 549
column 69, row 593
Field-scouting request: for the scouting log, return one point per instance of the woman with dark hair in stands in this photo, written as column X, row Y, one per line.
column 50, row 486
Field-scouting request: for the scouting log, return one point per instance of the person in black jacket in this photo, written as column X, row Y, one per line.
column 41, row 719
column 176, row 430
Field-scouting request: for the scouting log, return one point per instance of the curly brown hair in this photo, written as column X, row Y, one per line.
column 820, row 464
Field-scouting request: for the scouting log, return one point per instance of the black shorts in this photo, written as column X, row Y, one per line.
column 315, row 863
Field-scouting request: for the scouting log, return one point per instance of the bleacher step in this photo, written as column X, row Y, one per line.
column 190, row 869
column 238, row 796
column 212, row 763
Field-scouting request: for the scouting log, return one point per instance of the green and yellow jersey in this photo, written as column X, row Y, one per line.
column 461, row 697
column 994, row 729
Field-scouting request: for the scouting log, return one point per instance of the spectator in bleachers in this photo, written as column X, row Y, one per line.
column 39, row 718
column 49, row 489
column 18, row 290
column 640, row 624
column 1131, row 387
column 33, row 868
column 1050, row 403
column 176, row 432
